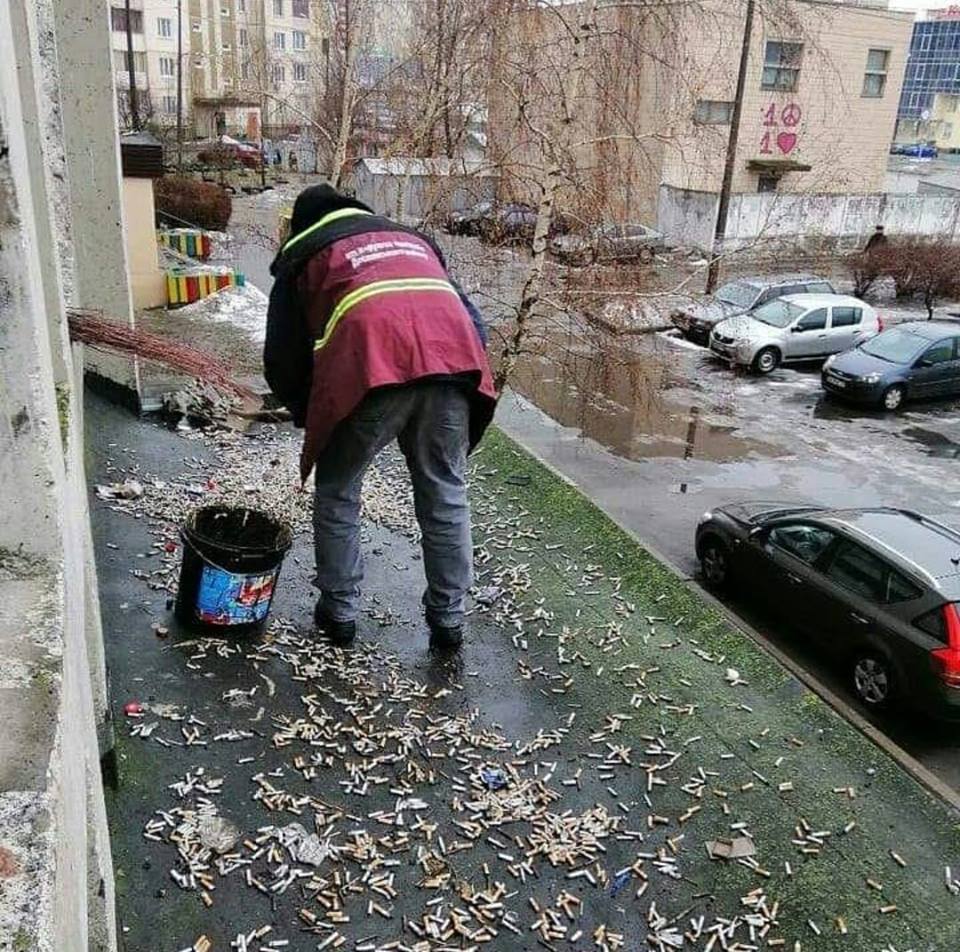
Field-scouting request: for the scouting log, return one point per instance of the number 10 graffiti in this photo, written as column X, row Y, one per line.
column 773, row 117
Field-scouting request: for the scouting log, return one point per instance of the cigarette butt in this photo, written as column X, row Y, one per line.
column 898, row 859
column 873, row 884
column 841, row 925
column 885, row 910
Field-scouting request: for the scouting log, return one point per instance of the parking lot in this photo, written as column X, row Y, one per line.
column 657, row 432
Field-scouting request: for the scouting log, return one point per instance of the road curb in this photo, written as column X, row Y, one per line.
column 913, row 767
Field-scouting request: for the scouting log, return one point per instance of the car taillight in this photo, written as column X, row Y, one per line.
column 880, row 324
column 946, row 661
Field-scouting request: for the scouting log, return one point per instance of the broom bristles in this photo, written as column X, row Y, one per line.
column 96, row 331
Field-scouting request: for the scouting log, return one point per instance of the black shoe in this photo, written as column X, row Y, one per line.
column 340, row 633
column 444, row 638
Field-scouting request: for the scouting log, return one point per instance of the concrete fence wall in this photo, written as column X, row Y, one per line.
column 56, row 877
column 806, row 222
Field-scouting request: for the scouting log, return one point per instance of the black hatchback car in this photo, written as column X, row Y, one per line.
column 918, row 360
column 878, row 588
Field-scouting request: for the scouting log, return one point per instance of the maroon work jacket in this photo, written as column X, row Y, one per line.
column 382, row 312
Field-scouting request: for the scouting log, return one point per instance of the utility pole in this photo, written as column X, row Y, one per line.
column 179, row 85
column 134, row 108
column 723, row 206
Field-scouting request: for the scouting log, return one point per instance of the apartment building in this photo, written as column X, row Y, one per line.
column 243, row 62
column 651, row 124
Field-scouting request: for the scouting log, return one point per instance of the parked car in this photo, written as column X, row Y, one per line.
column 911, row 361
column 879, row 588
column 794, row 328
column 608, row 243
column 916, row 150
column 467, row 222
column 242, row 153
column 741, row 297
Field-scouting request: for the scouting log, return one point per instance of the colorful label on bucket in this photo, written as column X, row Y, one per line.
column 227, row 599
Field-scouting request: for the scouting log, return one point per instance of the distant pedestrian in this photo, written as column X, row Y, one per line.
column 877, row 240
column 368, row 340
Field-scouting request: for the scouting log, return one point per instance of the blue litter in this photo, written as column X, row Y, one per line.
column 493, row 779
column 619, row 881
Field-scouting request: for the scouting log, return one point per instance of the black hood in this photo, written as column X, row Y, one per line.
column 315, row 202
column 311, row 205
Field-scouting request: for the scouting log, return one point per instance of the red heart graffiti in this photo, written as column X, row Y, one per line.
column 787, row 142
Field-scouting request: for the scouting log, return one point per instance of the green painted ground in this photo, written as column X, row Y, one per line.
column 569, row 638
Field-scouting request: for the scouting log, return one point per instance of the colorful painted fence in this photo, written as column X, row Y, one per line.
column 184, row 286
column 188, row 241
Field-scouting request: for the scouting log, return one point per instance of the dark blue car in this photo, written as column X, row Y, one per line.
column 912, row 361
column 916, row 150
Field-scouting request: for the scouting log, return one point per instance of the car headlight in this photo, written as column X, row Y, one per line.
column 870, row 378
column 829, row 361
column 706, row 517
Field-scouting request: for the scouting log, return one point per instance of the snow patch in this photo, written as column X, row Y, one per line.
column 245, row 307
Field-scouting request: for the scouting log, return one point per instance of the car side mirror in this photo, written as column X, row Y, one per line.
column 924, row 362
column 797, row 329
column 757, row 533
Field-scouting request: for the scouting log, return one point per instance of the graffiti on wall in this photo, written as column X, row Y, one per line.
column 780, row 125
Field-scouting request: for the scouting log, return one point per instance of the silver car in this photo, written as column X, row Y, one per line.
column 608, row 243
column 795, row 327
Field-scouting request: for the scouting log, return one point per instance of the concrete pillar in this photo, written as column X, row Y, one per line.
column 92, row 149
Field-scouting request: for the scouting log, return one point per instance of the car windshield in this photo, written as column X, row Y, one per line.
column 777, row 313
column 738, row 294
column 898, row 346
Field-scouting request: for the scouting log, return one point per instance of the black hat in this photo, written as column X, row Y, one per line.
column 316, row 201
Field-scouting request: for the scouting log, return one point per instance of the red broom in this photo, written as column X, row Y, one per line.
column 91, row 329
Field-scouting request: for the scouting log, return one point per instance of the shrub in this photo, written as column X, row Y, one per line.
column 188, row 201
column 929, row 270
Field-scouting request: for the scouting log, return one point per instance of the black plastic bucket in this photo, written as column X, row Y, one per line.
column 231, row 563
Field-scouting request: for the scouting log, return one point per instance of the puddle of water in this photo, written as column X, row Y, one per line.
column 620, row 396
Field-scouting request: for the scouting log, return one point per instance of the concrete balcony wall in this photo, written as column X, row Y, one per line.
column 56, row 890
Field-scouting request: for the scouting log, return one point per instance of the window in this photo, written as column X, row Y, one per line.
column 818, row 287
column 713, row 112
column 804, row 542
column 299, row 72
column 767, row 183
column 279, row 75
column 875, row 78
column 170, row 105
column 118, row 20
column 939, row 353
column 279, row 40
column 299, row 40
column 781, row 66
column 242, row 6
column 164, row 27
column 278, row 8
column 325, row 46
column 846, row 316
column 864, row 574
column 242, row 39
column 168, row 66
column 300, row 8
column 245, row 70
column 814, row 321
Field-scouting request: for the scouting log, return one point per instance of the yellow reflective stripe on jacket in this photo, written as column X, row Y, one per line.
column 326, row 220
column 380, row 287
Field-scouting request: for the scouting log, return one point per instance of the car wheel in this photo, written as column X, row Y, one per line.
column 893, row 397
column 767, row 360
column 873, row 680
column 715, row 564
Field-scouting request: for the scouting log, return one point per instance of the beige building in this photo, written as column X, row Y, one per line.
column 241, row 60
column 653, row 117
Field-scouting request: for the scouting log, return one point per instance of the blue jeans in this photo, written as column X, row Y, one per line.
column 430, row 421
